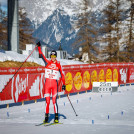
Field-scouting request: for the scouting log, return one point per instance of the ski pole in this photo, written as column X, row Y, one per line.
column 19, row 68
column 72, row 105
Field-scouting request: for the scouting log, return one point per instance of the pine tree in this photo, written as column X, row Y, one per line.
column 118, row 11
column 129, row 44
column 86, row 34
column 107, row 31
column 25, row 31
column 112, row 31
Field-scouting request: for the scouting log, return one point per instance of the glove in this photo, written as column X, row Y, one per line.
column 64, row 87
column 38, row 44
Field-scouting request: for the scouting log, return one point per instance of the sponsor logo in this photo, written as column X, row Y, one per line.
column 78, row 81
column 53, row 66
column 115, row 75
column 68, row 81
column 86, row 79
column 94, row 76
column 39, row 69
column 109, row 75
column 3, row 70
column 101, row 76
column 105, row 89
column 32, row 69
column 123, row 73
column 132, row 76
column 26, row 70
column 19, row 87
column 11, row 70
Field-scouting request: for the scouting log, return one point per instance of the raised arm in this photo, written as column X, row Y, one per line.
column 41, row 54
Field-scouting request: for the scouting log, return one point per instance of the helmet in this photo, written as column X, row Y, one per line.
column 53, row 53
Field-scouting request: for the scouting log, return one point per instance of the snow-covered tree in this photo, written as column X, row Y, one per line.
column 86, row 36
column 129, row 33
column 25, row 31
column 111, row 30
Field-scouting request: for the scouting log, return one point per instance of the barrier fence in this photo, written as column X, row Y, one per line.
column 28, row 83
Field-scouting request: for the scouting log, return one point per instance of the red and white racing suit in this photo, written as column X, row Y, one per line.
column 52, row 72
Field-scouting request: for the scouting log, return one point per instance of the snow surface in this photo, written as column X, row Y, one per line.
column 14, row 56
column 90, row 107
column 98, row 113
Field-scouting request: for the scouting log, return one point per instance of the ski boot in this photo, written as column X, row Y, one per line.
column 56, row 120
column 46, row 118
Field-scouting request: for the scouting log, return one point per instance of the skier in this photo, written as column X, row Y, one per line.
column 52, row 70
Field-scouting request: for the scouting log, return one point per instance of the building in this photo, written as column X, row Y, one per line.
column 35, row 54
column 61, row 54
column 45, row 51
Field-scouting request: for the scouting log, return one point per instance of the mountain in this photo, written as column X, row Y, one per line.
column 56, row 29
column 53, row 20
column 39, row 10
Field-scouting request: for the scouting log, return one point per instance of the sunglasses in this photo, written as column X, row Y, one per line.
column 53, row 56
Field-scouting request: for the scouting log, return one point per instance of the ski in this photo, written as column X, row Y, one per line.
column 47, row 124
column 50, row 124
column 41, row 124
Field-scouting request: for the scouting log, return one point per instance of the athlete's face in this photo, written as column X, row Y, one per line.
column 53, row 58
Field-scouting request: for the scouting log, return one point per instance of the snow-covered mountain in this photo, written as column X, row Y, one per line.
column 53, row 19
column 39, row 10
column 56, row 29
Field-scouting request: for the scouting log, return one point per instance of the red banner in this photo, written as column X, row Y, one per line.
column 24, row 87
column 13, row 70
column 28, row 83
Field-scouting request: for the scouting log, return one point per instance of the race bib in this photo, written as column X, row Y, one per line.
column 51, row 74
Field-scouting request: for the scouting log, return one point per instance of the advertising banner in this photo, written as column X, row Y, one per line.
column 28, row 83
column 24, row 87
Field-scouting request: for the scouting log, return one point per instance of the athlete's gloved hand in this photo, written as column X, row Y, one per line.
column 64, row 87
column 38, row 44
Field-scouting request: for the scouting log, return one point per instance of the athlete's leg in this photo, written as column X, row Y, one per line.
column 47, row 104
column 54, row 99
column 54, row 96
column 47, row 96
